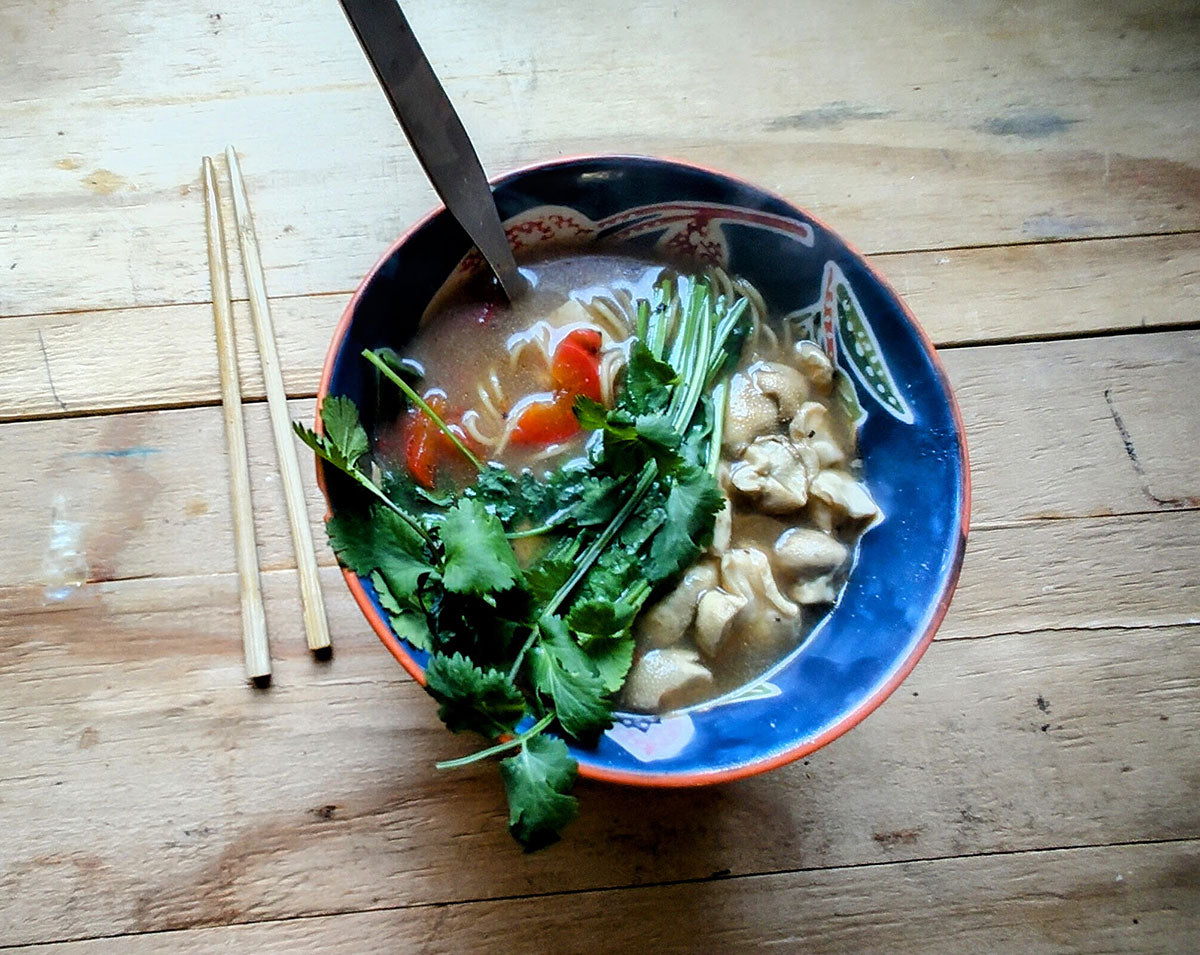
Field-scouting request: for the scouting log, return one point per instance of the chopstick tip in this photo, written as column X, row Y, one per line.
column 261, row 682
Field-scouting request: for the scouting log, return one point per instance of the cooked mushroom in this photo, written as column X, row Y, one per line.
column 845, row 494
column 819, row 590
column 714, row 614
column 666, row 622
column 774, row 471
column 812, row 426
column 783, row 384
column 722, row 529
column 805, row 551
column 748, row 413
column 666, row 677
column 747, row 572
column 815, row 365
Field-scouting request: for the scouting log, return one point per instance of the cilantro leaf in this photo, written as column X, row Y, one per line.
column 590, row 414
column 545, row 577
column 470, row 698
column 658, row 430
column 563, row 672
column 647, row 381
column 597, row 619
column 612, row 659
column 537, row 780
column 412, row 626
column 692, row 505
column 383, row 541
column 407, row 618
column 343, row 429
column 479, row 558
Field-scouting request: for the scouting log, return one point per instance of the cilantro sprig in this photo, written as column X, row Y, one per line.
column 518, row 652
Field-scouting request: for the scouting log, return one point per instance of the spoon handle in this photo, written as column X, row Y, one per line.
column 434, row 130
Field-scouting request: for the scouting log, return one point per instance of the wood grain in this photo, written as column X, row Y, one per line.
column 1026, row 174
column 1047, row 425
column 1085, row 737
column 1051, row 120
column 1140, row 898
column 84, row 362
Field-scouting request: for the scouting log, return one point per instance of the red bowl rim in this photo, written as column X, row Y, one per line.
column 800, row 750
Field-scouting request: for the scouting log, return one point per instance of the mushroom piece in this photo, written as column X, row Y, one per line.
column 775, row 472
column 666, row 677
column 812, row 426
column 783, row 384
column 843, row 493
column 714, row 614
column 819, row 590
column 802, row 550
column 722, row 528
column 814, row 364
column 748, row 413
column 745, row 571
column 667, row 621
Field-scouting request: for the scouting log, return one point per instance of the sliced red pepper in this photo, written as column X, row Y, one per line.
column 576, row 364
column 546, row 419
column 423, row 440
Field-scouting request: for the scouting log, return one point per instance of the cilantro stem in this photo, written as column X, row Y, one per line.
column 725, row 328
column 360, row 478
column 420, row 402
column 532, row 531
column 662, row 318
column 525, row 648
column 720, row 398
column 513, row 743
column 588, row 557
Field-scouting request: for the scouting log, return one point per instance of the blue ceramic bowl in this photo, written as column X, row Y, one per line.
column 911, row 439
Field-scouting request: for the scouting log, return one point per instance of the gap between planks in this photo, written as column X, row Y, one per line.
column 948, row 346
column 883, row 254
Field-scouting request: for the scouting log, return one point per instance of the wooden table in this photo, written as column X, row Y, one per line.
column 1028, row 177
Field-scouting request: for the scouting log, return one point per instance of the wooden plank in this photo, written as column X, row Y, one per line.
column 975, row 296
column 1014, row 742
column 949, row 109
column 1065, row 429
column 1140, row 898
column 83, row 362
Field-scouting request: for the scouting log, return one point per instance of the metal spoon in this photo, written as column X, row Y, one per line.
column 434, row 130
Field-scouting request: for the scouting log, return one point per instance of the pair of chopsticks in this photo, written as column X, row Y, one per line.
column 254, row 624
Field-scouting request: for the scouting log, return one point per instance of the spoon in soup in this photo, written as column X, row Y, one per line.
column 434, row 131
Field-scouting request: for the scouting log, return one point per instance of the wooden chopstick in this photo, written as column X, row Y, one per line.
column 254, row 620
column 312, row 602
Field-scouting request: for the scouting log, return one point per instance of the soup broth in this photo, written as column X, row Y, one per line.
column 794, row 505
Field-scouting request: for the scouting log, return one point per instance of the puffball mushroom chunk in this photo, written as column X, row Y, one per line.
column 664, row 675
column 748, row 414
column 714, row 614
column 774, row 472
column 802, row 550
column 665, row 623
column 843, row 493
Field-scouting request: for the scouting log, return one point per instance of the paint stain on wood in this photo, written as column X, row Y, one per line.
column 829, row 116
column 1028, row 124
column 103, row 182
column 196, row 507
column 89, row 738
column 68, row 163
